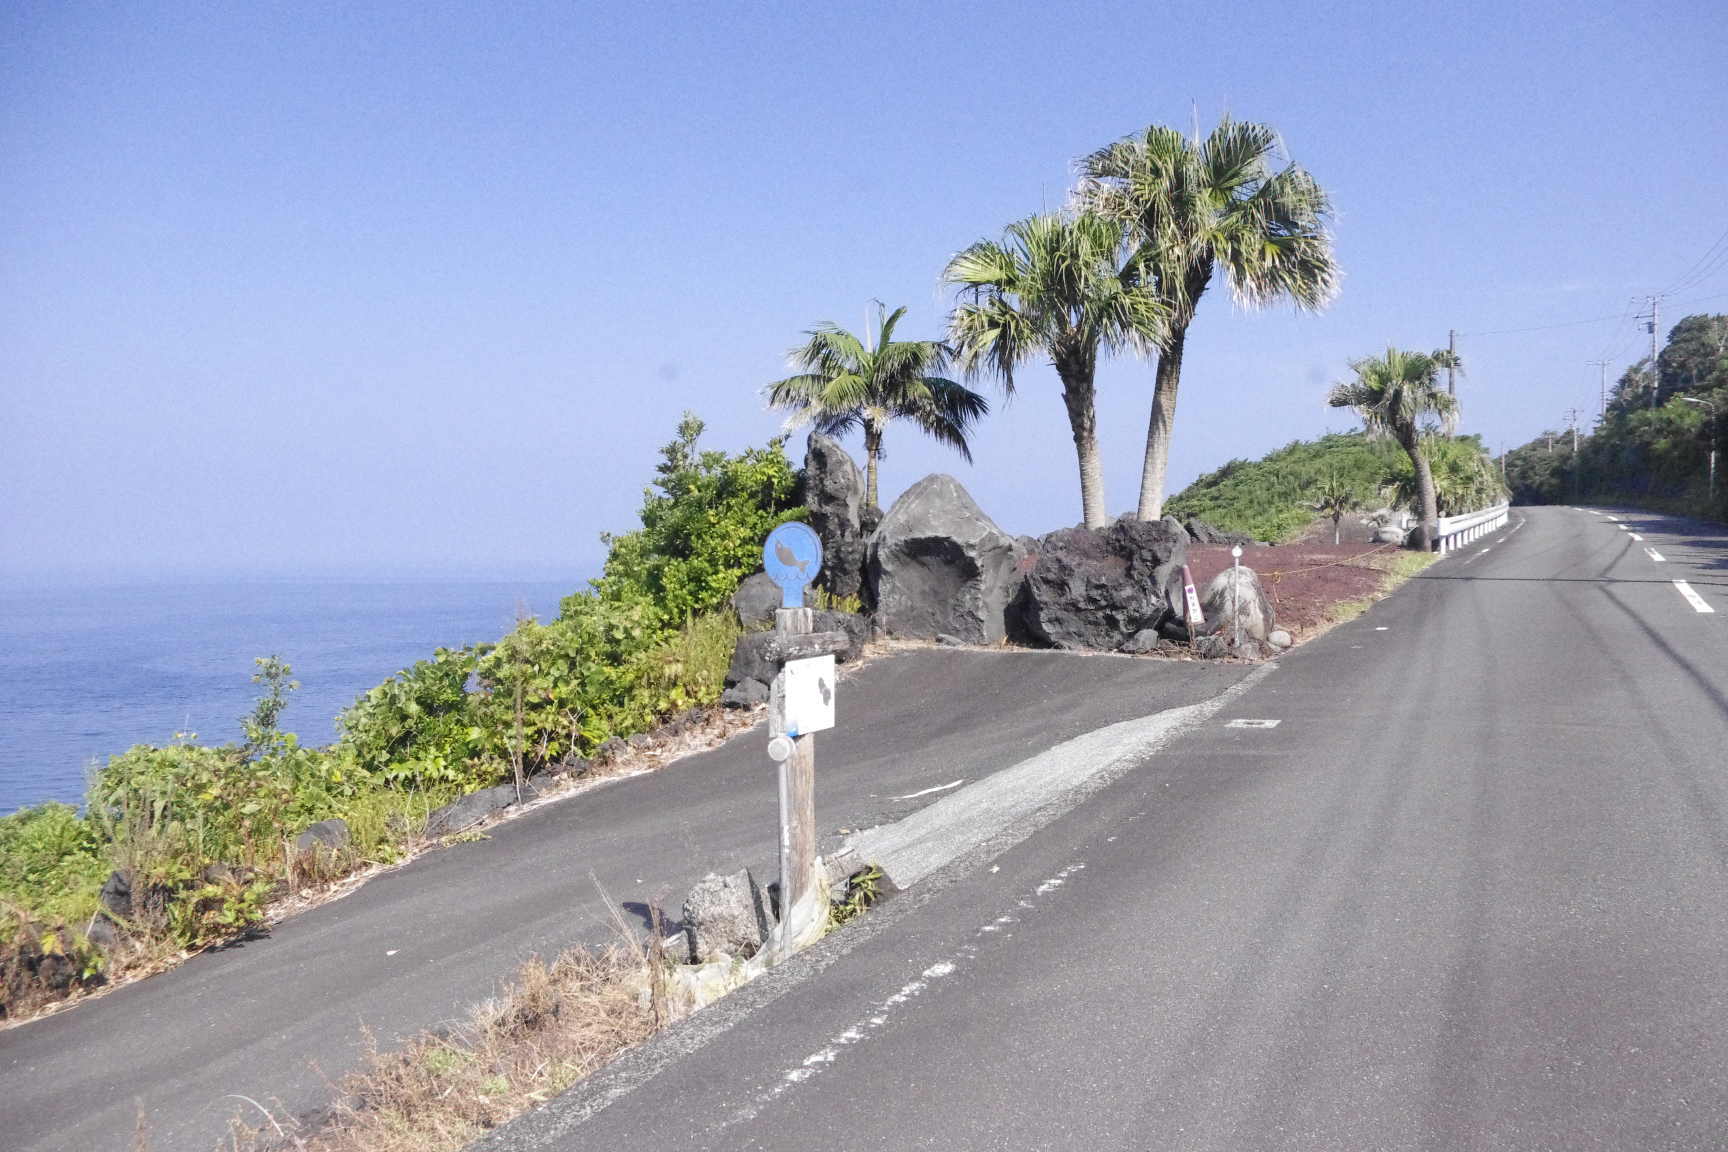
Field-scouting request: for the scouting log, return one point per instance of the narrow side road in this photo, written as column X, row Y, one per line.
column 282, row 1017
column 1461, row 888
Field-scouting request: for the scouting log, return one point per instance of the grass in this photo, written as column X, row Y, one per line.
column 552, row 1025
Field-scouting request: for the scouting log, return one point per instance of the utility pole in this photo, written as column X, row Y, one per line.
column 1452, row 349
column 1602, row 364
column 1654, row 324
column 1572, row 419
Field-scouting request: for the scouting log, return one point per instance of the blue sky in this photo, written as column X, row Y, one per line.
column 401, row 288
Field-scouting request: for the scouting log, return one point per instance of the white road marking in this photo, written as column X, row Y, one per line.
column 1656, row 556
column 927, row 791
column 1613, row 519
column 1243, row 723
column 1637, row 537
column 878, row 1017
column 1692, row 597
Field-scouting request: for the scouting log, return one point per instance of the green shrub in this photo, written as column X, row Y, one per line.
column 418, row 729
column 51, row 864
column 703, row 523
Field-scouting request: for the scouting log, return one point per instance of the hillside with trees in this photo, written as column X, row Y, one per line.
column 1652, row 446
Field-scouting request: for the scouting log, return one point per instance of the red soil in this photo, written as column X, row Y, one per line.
column 1304, row 581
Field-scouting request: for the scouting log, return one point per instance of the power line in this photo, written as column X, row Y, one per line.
column 1705, row 266
column 1579, row 323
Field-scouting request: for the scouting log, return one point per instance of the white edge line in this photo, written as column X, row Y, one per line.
column 1692, row 597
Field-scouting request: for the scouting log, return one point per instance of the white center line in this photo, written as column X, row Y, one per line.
column 1655, row 555
column 1613, row 519
column 1637, row 537
column 1692, row 597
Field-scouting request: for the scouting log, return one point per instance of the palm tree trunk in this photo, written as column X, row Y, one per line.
column 1425, row 494
column 1078, row 395
column 1163, row 422
column 872, row 453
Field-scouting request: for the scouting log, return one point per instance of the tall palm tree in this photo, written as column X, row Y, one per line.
column 1393, row 394
column 847, row 384
column 1053, row 285
column 1193, row 206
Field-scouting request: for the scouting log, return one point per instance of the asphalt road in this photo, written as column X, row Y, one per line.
column 1471, row 892
column 277, row 1018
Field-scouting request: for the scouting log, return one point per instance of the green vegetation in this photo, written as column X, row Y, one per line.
column 202, row 835
column 1191, row 207
column 847, row 384
column 1276, row 497
column 1654, row 455
column 1054, row 286
column 1396, row 395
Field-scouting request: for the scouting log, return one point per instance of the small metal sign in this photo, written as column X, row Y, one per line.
column 809, row 688
column 792, row 556
column 1196, row 618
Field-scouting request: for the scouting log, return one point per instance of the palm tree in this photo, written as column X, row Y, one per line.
column 848, row 384
column 1190, row 207
column 1392, row 394
column 1336, row 497
column 1053, row 285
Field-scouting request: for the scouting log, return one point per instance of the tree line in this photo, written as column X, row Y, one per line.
column 1155, row 221
column 1653, row 441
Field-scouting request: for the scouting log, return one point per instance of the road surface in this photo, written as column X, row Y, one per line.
column 278, row 1018
column 1470, row 892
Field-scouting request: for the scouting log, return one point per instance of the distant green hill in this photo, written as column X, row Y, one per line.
column 1272, row 498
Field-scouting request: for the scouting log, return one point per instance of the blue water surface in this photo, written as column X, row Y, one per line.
column 86, row 671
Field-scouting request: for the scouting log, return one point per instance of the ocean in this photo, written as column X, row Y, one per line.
column 86, row 671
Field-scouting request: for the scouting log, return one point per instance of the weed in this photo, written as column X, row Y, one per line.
column 863, row 888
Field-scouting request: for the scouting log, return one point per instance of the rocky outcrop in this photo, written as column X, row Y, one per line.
column 1103, row 588
column 1203, row 533
column 751, row 671
column 938, row 564
column 726, row 915
column 834, row 496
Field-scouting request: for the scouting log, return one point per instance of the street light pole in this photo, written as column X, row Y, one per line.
column 1712, row 407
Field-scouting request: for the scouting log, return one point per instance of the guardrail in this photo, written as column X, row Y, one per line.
column 1457, row 531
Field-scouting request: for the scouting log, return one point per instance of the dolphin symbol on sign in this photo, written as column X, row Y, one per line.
column 827, row 692
column 786, row 556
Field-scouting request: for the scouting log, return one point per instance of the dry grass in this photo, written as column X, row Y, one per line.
column 554, row 1024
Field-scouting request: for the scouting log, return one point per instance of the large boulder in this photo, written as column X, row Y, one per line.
column 756, row 601
column 726, row 914
column 1101, row 588
column 939, row 564
column 834, row 496
column 1236, row 608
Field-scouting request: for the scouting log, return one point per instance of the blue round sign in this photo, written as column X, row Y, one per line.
column 792, row 556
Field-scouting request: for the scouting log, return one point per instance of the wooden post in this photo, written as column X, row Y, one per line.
column 797, row 779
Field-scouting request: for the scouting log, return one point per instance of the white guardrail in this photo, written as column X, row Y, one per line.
column 1457, row 531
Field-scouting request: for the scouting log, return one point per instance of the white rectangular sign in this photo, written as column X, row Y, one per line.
column 809, row 688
